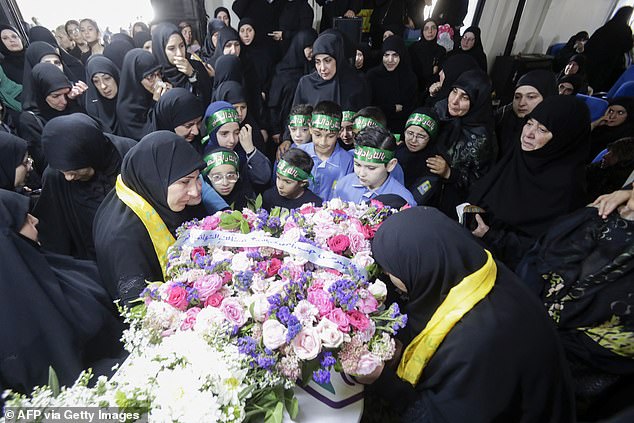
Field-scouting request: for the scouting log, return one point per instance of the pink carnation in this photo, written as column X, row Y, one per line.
column 190, row 318
column 339, row 317
column 307, row 209
column 357, row 242
column 321, row 300
column 226, row 277
column 177, row 297
column 367, row 304
column 207, row 285
column 273, row 266
column 338, row 243
column 358, row 320
column 214, row 300
column 211, row 222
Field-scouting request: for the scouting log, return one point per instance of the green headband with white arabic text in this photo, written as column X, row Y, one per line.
column 325, row 122
column 299, row 121
column 348, row 115
column 363, row 122
column 423, row 121
column 289, row 171
column 218, row 119
column 219, row 158
column 372, row 155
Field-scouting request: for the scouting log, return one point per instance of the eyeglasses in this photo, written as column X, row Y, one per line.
column 231, row 177
column 618, row 112
column 417, row 137
column 151, row 77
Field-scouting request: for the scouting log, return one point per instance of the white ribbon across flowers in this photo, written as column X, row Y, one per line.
column 304, row 250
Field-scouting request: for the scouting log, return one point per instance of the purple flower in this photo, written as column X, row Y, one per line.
column 327, row 360
column 247, row 346
column 294, row 327
column 243, row 280
column 321, row 376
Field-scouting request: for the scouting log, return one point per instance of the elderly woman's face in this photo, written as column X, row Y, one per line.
column 534, row 136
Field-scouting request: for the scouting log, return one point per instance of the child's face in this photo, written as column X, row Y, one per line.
column 289, row 188
column 300, row 134
column 324, row 141
column 416, row 138
column 241, row 108
column 223, row 178
column 228, row 135
column 347, row 134
column 371, row 175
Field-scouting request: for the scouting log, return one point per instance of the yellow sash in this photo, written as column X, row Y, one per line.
column 461, row 298
column 161, row 237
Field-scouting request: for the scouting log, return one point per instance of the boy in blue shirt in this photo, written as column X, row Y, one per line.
column 331, row 161
column 373, row 161
column 298, row 128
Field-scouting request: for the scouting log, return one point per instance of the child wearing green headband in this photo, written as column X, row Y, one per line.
column 222, row 177
column 373, row 161
column 291, row 183
column 298, row 128
column 331, row 162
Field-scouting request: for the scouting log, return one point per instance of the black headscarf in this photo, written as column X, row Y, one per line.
column 225, row 35
column 507, row 329
column 54, row 309
column 579, row 85
column 13, row 62
column 73, row 67
column 426, row 54
column 242, row 191
column 66, row 209
column 47, row 78
column 135, row 102
column 125, row 252
column 414, row 163
column 395, row 87
column 208, row 49
column 527, row 190
column 262, row 51
column 222, row 9
column 477, row 51
column 603, row 135
column 119, row 36
column 116, row 51
column 293, row 66
column 176, row 107
column 101, row 108
column 12, row 151
column 160, row 37
column 140, row 38
column 34, row 53
column 228, row 68
column 231, row 92
column 454, row 66
column 346, row 88
column 510, row 126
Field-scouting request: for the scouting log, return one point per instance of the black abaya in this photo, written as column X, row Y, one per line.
column 12, row 152
column 97, row 106
column 502, row 360
column 125, row 252
column 12, row 62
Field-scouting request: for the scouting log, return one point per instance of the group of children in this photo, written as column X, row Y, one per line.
column 333, row 154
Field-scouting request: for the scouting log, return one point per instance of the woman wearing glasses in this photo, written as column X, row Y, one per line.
column 142, row 83
column 616, row 123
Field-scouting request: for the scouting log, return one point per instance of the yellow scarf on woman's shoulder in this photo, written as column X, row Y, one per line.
column 461, row 298
column 161, row 237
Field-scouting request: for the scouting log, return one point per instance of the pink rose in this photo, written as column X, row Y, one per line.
column 214, row 300
column 207, row 285
column 338, row 243
column 357, row 242
column 367, row 303
column 339, row 317
column 290, row 224
column 368, row 232
column 358, row 320
column 227, row 277
column 190, row 318
column 321, row 300
column 198, row 251
column 273, row 334
column 329, row 333
column 211, row 222
column 233, row 311
column 367, row 363
column 273, row 266
column 377, row 204
column 306, row 344
column 307, row 208
column 177, row 297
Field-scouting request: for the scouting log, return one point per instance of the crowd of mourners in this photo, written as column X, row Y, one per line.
column 109, row 144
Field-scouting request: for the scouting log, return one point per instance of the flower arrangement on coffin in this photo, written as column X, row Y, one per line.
column 277, row 298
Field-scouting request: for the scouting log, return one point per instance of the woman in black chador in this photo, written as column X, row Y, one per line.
column 53, row 308
column 83, row 165
column 477, row 346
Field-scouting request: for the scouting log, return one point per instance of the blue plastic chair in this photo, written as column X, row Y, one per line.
column 597, row 106
column 625, row 90
column 626, row 76
column 600, row 156
column 553, row 49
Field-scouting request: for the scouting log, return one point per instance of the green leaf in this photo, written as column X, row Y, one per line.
column 53, row 381
column 258, row 202
column 244, row 227
column 276, row 415
column 291, row 403
column 307, row 370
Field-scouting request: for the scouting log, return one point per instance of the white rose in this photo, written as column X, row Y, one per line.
column 241, row 262
column 306, row 344
column 275, row 287
column 259, row 307
column 329, row 333
column 259, row 285
column 219, row 255
column 336, row 203
column 208, row 318
column 273, row 334
column 378, row 290
column 363, row 259
column 292, row 235
column 306, row 313
column 367, row 363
